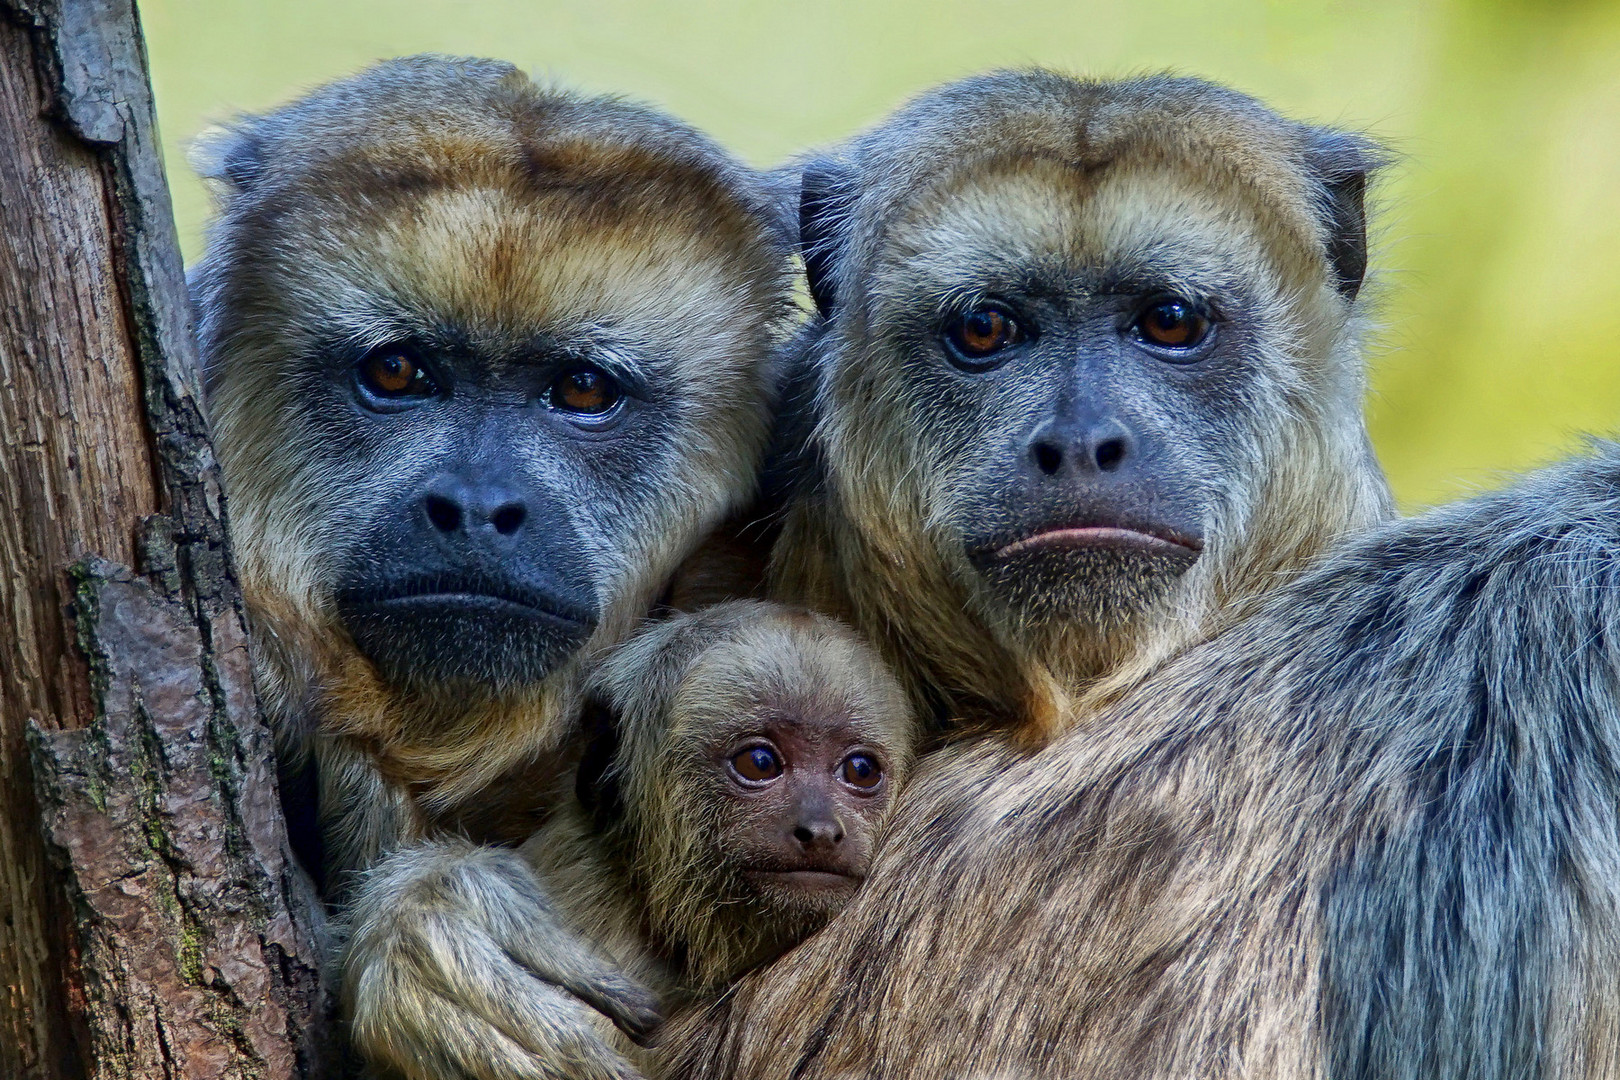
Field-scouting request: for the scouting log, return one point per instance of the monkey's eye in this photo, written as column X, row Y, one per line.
column 1172, row 324
column 757, row 764
column 391, row 371
column 585, row 390
column 861, row 771
column 975, row 338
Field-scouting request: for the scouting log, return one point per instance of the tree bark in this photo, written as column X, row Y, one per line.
column 154, row 924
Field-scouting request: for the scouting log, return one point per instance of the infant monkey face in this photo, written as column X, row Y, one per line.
column 805, row 794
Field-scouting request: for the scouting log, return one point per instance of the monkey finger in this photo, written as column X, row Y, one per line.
column 497, row 888
column 632, row 1008
column 436, row 1003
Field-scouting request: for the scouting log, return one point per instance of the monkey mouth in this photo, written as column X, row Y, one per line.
column 442, row 632
column 1154, row 540
column 1100, row 570
column 469, row 597
column 804, row 879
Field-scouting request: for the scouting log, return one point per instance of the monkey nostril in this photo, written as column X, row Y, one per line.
column 819, row 833
column 1110, row 453
column 444, row 514
column 508, row 519
column 1048, row 458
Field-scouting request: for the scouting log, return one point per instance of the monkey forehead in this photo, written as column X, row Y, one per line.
column 383, row 137
column 1033, row 225
column 486, row 200
column 796, row 670
column 495, row 261
column 992, row 125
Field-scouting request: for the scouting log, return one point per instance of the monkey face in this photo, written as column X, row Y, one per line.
column 485, row 363
column 759, row 749
column 802, row 796
column 797, row 736
column 1077, row 337
column 485, row 562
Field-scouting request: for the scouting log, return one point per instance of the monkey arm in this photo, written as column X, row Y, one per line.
column 455, row 966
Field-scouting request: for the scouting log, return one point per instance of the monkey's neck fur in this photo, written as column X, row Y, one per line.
column 440, row 748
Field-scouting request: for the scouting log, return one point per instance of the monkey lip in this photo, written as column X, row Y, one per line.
column 1153, row 539
column 804, row 880
column 473, row 600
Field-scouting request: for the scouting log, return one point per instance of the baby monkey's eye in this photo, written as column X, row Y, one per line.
column 586, row 390
column 861, row 771
column 390, row 371
column 757, row 764
column 978, row 335
column 1173, row 323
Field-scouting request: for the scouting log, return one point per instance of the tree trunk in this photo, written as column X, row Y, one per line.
column 153, row 924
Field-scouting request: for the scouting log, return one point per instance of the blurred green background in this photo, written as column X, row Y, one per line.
column 1498, row 233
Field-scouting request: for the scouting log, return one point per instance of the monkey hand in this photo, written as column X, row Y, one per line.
column 455, row 965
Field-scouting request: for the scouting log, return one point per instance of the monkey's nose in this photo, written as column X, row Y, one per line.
column 818, row 832
column 456, row 506
column 1067, row 446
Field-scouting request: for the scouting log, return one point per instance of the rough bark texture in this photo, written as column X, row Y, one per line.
column 153, row 922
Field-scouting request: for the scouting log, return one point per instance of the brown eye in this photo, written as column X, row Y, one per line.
column 862, row 771
column 586, row 391
column 391, row 372
column 1173, row 323
column 980, row 334
column 757, row 764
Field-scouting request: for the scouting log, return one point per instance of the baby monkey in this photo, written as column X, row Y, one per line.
column 742, row 759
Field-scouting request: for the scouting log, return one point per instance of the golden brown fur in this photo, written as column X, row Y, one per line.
column 1072, row 206
column 644, row 886
column 438, row 195
column 1062, row 914
column 1367, row 832
column 652, row 880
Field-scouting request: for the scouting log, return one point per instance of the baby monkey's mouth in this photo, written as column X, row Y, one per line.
column 805, row 878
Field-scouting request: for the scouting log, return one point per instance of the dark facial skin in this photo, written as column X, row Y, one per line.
column 475, row 565
column 803, row 799
column 1092, row 436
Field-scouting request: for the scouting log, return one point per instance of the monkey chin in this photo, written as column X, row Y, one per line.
column 1104, row 575
column 809, row 892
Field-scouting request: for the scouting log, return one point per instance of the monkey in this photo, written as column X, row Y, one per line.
column 747, row 756
column 1368, row 831
column 1086, row 376
column 484, row 361
column 1085, row 385
column 1357, row 821
column 741, row 760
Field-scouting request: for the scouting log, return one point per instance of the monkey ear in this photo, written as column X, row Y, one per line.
column 235, row 156
column 826, row 199
column 1340, row 163
column 596, row 784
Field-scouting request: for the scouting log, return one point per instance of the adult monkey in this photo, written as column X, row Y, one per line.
column 1087, row 383
column 1371, row 830
column 485, row 361
column 1088, row 376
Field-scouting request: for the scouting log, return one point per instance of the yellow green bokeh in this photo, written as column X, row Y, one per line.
column 1497, row 233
